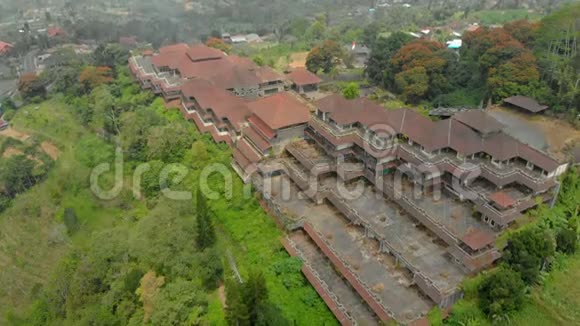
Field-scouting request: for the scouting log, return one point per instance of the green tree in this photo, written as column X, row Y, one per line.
column 421, row 70
column 527, row 252
column 557, row 49
column 351, row 91
column 205, row 230
column 180, row 302
column 316, row 31
column 259, row 60
column 71, row 220
column 567, row 241
column 110, row 55
column 248, row 303
column 370, row 34
column 255, row 295
column 135, row 129
column 168, row 143
column 237, row 312
column 379, row 67
column 414, row 84
column 501, row 293
column 31, row 86
column 17, row 175
column 324, row 57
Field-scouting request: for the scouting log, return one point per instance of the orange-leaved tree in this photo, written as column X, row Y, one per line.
column 92, row 77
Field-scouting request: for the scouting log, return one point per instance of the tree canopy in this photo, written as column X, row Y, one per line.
column 324, row 57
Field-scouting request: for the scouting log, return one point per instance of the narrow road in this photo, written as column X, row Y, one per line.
column 29, row 61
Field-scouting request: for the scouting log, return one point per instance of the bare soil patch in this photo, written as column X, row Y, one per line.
column 50, row 150
column 11, row 151
column 222, row 295
column 12, row 133
column 298, row 60
column 559, row 134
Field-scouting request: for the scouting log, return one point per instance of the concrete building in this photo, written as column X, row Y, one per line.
column 389, row 210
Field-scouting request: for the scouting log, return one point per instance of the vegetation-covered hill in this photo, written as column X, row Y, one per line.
column 68, row 257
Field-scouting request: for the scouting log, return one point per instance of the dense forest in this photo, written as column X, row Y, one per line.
column 536, row 59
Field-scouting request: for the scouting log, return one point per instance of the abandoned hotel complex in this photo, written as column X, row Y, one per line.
column 389, row 210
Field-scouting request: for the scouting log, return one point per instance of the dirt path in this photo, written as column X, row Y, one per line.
column 222, row 295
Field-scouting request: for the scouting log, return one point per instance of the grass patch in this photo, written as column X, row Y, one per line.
column 500, row 17
column 276, row 55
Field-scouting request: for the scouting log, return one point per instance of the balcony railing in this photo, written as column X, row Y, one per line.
column 515, row 170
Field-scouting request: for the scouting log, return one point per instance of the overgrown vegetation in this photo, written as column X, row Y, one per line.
column 144, row 260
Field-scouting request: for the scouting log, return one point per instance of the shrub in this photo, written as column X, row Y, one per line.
column 501, row 293
column 567, row 241
column 527, row 252
column 8, row 115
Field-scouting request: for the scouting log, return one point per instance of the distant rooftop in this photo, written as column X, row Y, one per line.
column 301, row 77
column 526, row 103
column 479, row 120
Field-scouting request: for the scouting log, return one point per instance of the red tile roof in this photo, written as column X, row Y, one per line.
column 280, row 110
column 168, row 58
column 5, row 47
column 301, row 77
column 432, row 135
column 242, row 61
column 262, row 127
column 249, row 152
column 267, row 74
column 201, row 52
column 202, row 69
column 221, row 102
column 179, row 47
column 235, row 77
column 260, row 141
column 242, row 161
column 502, row 199
column 477, row 239
column 479, row 120
column 55, row 31
column 526, row 103
column 173, row 104
column 128, row 40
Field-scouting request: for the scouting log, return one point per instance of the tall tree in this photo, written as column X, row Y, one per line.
column 324, row 57
column 110, row 55
column 558, row 50
column 501, row 293
column 527, row 252
column 17, row 175
column 206, row 236
column 70, row 220
column 421, row 69
column 379, row 66
column 91, row 77
column 30, row 86
column 236, row 309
